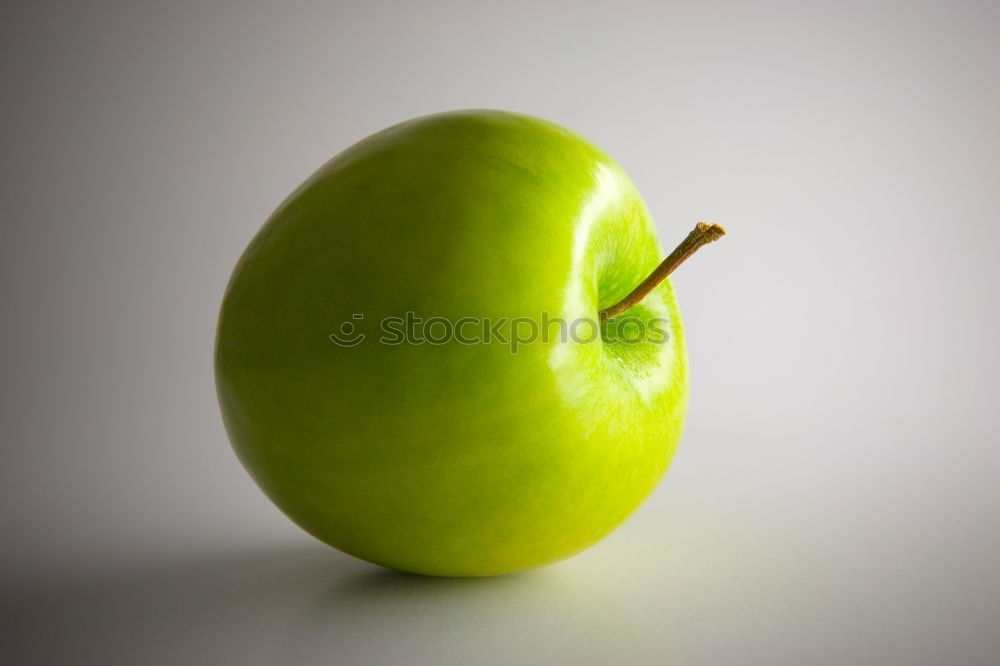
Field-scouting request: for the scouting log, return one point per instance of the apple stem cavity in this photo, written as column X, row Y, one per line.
column 702, row 234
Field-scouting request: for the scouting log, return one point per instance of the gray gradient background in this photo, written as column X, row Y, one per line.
column 836, row 496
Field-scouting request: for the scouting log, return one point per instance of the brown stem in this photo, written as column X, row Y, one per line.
column 702, row 234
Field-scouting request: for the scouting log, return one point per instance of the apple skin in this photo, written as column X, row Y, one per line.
column 452, row 459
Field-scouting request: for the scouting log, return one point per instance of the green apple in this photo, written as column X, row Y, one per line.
column 368, row 380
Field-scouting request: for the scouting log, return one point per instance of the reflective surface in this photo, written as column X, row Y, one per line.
column 699, row 584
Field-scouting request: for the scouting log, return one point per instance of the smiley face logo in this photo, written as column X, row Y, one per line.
column 348, row 335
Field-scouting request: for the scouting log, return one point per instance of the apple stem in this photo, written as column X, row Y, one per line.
column 702, row 234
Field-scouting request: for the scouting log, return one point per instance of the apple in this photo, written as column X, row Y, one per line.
column 366, row 362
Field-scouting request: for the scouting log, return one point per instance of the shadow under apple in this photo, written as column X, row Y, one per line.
column 308, row 604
